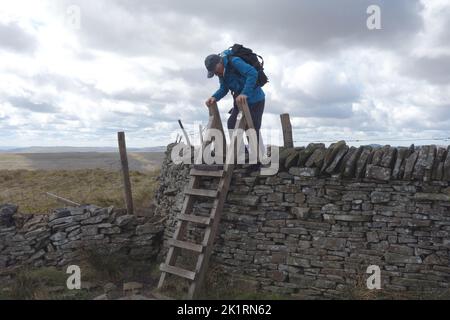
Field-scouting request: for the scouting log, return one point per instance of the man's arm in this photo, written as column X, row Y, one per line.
column 249, row 72
column 222, row 92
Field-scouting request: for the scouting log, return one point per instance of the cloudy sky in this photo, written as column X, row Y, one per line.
column 137, row 66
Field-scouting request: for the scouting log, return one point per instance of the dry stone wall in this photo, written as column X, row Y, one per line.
column 314, row 228
column 60, row 238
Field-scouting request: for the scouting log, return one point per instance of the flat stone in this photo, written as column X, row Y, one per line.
column 438, row 167
column 305, row 154
column 148, row 228
column 317, row 158
column 304, row 172
column 284, row 154
column 301, row 212
column 91, row 230
column 95, row 219
column 388, row 159
column 378, row 173
column 419, row 167
column 409, row 165
column 291, row 160
column 432, row 196
column 124, row 220
column 377, row 155
column 380, row 197
column 401, row 249
column 298, row 262
column 330, row 208
column 331, row 153
column 446, row 168
column 364, row 158
column 329, row 243
column 58, row 236
column 347, row 217
column 349, row 168
column 339, row 155
column 61, row 221
column 59, row 213
column 6, row 215
column 402, row 153
column 399, row 258
column 241, row 199
column 39, row 232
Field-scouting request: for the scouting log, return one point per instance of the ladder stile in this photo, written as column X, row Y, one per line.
column 224, row 173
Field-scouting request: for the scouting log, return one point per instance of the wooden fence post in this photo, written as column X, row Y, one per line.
column 287, row 130
column 125, row 173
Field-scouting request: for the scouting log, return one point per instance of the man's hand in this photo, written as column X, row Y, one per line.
column 210, row 101
column 241, row 99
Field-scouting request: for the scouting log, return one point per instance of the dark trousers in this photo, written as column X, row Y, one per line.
column 256, row 111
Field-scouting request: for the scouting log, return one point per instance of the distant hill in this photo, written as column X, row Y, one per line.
column 76, row 149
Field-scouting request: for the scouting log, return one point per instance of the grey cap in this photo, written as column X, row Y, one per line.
column 210, row 62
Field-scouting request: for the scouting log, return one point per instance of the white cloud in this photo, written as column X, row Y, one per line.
column 138, row 66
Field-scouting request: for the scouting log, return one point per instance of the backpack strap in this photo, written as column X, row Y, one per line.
column 233, row 69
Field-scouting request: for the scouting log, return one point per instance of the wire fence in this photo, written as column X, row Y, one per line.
column 194, row 135
column 377, row 139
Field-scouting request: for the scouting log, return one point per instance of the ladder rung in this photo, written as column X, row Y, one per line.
column 202, row 192
column 208, row 167
column 178, row 271
column 186, row 245
column 203, row 173
column 195, row 219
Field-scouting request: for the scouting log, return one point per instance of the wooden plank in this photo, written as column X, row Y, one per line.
column 249, row 125
column 202, row 192
column 178, row 271
column 216, row 123
column 195, row 219
column 216, row 213
column 180, row 230
column 287, row 130
column 125, row 172
column 210, row 234
column 203, row 173
column 208, row 167
column 213, row 123
column 186, row 245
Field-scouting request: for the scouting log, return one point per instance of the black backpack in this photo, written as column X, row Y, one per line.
column 246, row 54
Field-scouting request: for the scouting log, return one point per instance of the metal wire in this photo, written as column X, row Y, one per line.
column 377, row 139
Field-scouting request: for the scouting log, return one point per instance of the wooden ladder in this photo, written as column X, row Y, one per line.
column 224, row 173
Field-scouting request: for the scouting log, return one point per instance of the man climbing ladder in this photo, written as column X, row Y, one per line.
column 240, row 72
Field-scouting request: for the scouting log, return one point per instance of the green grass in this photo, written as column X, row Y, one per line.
column 37, row 284
column 27, row 188
column 97, row 267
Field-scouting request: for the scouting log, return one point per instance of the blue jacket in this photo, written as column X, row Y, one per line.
column 240, row 80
